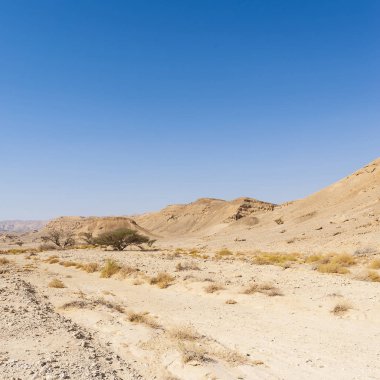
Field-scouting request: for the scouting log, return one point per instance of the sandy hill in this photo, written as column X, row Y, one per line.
column 204, row 216
column 95, row 225
column 344, row 216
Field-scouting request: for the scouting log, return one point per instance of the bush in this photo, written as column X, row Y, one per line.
column 121, row 239
column 110, row 268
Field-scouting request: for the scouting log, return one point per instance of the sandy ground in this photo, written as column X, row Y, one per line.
column 288, row 336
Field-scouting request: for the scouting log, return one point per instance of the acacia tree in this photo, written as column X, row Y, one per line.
column 61, row 238
column 122, row 238
column 88, row 238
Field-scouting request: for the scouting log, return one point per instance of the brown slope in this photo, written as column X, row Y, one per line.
column 202, row 217
column 343, row 216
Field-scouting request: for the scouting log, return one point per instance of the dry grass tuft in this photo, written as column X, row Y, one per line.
column 162, row 280
column 375, row 264
column 371, row 276
column 341, row 308
column 224, row 252
column 125, row 271
column 212, row 288
column 230, row 302
column 68, row 264
column 332, row 268
column 55, row 283
column 143, row 318
column 334, row 263
column 180, row 333
column 265, row 288
column 280, row 259
column 90, row 304
column 187, row 266
column 3, row 261
column 79, row 304
column 109, row 304
column 193, row 352
column 90, row 267
column 110, row 268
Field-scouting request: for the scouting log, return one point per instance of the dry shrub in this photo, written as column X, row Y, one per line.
column 68, row 264
column 332, row 268
column 187, row 266
column 125, row 271
column 162, row 280
column 79, row 304
column 90, row 267
column 3, row 261
column 55, row 283
column 280, row 259
column 224, row 252
column 212, row 288
column 375, row 264
column 47, row 247
column 230, row 302
column 193, row 352
column 109, row 304
column 143, row 318
column 265, row 288
column 341, row 308
column 110, row 268
column 336, row 263
column 90, row 304
column 314, row 258
column 180, row 333
column 371, row 276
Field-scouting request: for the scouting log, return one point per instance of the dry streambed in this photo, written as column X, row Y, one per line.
column 183, row 316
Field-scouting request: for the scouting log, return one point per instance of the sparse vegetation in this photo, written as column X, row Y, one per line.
column 162, row 280
column 341, row 308
column 125, row 271
column 3, row 261
column 212, row 288
column 230, row 302
column 110, row 268
column 56, row 283
column 122, row 238
column 187, row 266
column 370, row 275
column 183, row 333
column 375, row 264
column 265, row 288
column 280, row 259
column 193, row 352
column 143, row 318
column 335, row 263
column 224, row 252
column 90, row 267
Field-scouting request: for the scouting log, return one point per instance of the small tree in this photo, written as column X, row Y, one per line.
column 122, row 238
column 60, row 238
column 88, row 238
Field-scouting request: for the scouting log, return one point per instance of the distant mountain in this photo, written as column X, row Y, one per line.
column 21, row 225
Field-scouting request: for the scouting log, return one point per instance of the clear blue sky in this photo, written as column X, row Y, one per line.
column 120, row 107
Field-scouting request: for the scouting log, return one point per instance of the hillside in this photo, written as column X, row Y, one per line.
column 204, row 216
column 95, row 225
column 343, row 216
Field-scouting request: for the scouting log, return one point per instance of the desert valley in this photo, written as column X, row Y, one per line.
column 241, row 289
